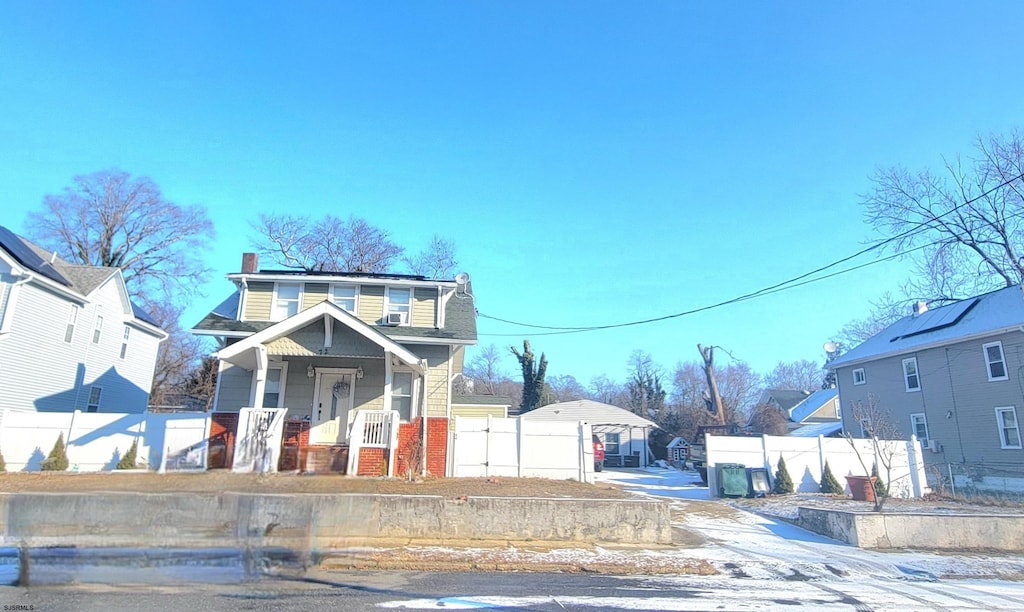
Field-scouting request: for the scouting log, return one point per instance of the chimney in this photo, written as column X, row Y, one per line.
column 250, row 263
column 920, row 307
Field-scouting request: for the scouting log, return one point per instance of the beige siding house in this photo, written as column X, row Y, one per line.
column 953, row 377
column 326, row 346
column 70, row 336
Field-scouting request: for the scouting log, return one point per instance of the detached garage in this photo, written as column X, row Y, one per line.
column 623, row 433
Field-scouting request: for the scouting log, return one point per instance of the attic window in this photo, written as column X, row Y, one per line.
column 858, row 376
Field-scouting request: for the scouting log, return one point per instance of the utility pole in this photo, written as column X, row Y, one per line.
column 715, row 404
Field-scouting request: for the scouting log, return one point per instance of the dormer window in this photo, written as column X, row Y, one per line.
column 286, row 300
column 344, row 297
column 398, row 306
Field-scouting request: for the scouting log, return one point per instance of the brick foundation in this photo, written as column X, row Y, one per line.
column 408, row 456
column 373, row 462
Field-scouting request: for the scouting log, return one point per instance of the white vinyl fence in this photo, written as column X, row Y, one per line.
column 489, row 446
column 96, row 441
column 805, row 460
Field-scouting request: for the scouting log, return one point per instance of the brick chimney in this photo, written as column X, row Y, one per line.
column 250, row 263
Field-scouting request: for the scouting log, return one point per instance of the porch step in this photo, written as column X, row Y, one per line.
column 324, row 459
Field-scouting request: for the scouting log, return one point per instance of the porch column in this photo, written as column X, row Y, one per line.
column 260, row 376
column 387, row 380
column 423, row 416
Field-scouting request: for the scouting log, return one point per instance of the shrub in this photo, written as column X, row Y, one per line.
column 829, row 482
column 881, row 492
column 128, row 461
column 57, row 460
column 783, row 482
column 3, row 464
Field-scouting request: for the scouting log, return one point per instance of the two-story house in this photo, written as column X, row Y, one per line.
column 954, row 377
column 70, row 336
column 809, row 413
column 327, row 346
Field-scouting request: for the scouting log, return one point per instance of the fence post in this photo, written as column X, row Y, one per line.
column 520, row 439
column 915, row 481
column 764, row 453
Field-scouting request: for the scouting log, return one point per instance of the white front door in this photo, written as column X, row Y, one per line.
column 331, row 407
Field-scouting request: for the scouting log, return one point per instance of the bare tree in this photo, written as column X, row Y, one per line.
column 714, row 399
column 436, row 261
column 803, row 375
column 110, row 218
column 330, row 244
column 740, row 388
column 485, row 370
column 880, row 427
column 605, row 390
column 769, row 420
column 968, row 220
column 566, row 388
column 885, row 311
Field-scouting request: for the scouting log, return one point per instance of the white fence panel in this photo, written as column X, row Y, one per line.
column 488, row 446
column 96, row 441
column 806, row 457
column 258, row 441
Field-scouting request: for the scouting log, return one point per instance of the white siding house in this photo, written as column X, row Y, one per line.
column 70, row 337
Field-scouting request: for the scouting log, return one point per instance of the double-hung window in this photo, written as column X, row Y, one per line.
column 910, row 375
column 286, row 300
column 95, row 393
column 402, row 394
column 273, row 388
column 858, row 376
column 344, row 297
column 919, row 425
column 124, row 341
column 1009, row 429
column 995, row 363
column 611, row 443
column 69, row 331
column 399, row 304
column 96, row 331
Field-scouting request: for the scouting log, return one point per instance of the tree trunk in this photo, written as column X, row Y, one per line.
column 708, row 353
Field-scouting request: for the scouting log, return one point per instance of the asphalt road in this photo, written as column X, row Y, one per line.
column 453, row 591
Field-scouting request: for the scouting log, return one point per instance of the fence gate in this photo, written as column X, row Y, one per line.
column 485, row 446
column 258, row 444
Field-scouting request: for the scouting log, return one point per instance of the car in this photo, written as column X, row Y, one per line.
column 598, row 454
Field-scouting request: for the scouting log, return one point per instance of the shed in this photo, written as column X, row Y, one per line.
column 623, row 433
column 677, row 451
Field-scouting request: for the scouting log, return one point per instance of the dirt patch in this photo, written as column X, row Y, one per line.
column 218, row 481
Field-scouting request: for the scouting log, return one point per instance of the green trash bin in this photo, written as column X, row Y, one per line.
column 732, row 480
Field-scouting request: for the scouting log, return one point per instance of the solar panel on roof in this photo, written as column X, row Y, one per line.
column 940, row 318
column 28, row 258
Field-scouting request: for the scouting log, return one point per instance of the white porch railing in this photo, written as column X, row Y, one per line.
column 373, row 429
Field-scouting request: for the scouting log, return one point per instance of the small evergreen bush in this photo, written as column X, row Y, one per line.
column 3, row 464
column 880, row 490
column 829, row 482
column 128, row 461
column 57, row 461
column 783, row 481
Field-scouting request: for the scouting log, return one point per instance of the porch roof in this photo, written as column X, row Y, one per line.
column 244, row 353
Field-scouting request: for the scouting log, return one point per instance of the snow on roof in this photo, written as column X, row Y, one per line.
column 818, row 429
column 595, row 413
column 813, row 402
column 992, row 313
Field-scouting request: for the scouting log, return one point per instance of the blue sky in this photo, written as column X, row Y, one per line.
column 595, row 162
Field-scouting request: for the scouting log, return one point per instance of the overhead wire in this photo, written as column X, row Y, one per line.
column 791, row 283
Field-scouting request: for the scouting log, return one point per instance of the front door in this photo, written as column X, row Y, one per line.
column 331, row 408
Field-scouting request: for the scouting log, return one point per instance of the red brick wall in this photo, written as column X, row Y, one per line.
column 372, row 462
column 410, row 438
column 223, row 428
column 437, row 445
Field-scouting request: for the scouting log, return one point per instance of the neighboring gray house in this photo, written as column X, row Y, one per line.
column 954, row 377
column 810, row 413
column 70, row 337
column 623, row 433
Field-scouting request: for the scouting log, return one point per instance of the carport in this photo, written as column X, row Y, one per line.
column 624, row 432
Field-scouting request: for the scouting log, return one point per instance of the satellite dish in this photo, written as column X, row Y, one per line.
column 831, row 347
column 462, row 278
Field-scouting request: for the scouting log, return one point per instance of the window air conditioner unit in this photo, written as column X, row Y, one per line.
column 934, row 446
column 395, row 318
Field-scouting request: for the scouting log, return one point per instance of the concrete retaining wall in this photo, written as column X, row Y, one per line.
column 918, row 531
column 318, row 522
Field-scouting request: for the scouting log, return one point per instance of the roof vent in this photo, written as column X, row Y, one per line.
column 920, row 307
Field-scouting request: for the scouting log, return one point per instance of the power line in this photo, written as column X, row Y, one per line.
column 777, row 287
